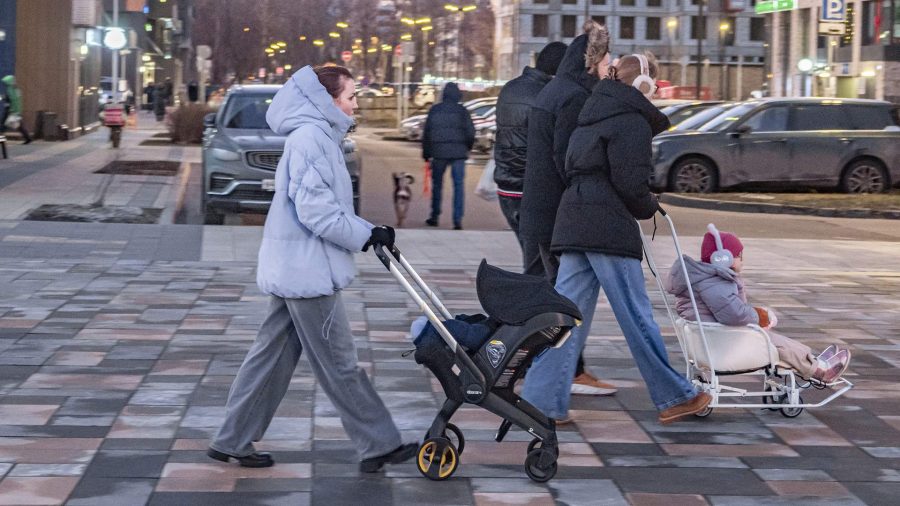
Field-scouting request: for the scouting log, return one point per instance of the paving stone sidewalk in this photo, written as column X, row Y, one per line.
column 118, row 345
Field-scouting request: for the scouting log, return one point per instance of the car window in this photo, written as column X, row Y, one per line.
column 813, row 117
column 481, row 110
column 686, row 112
column 771, row 119
column 727, row 118
column 247, row 111
column 867, row 117
column 700, row 118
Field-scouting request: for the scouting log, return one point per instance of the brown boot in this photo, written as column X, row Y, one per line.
column 691, row 407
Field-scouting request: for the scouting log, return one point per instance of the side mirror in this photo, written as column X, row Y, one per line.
column 743, row 130
column 209, row 121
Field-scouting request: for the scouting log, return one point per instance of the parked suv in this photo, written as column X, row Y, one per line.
column 851, row 144
column 241, row 153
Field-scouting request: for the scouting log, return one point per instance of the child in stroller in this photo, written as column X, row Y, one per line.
column 717, row 282
column 479, row 358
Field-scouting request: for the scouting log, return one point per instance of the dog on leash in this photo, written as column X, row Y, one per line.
column 402, row 194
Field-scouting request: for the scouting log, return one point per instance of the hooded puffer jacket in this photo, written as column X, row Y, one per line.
column 311, row 231
column 513, row 107
column 552, row 120
column 449, row 132
column 719, row 294
column 607, row 172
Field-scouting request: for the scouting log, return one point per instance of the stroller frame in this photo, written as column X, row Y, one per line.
column 543, row 451
column 781, row 387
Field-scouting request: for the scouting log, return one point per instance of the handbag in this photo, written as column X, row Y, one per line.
column 486, row 187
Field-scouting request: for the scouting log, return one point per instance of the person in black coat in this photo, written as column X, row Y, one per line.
column 513, row 107
column 551, row 121
column 446, row 140
column 607, row 171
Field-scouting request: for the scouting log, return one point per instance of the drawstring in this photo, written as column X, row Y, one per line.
column 329, row 320
column 653, row 236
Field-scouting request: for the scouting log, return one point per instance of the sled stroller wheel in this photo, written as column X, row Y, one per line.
column 773, row 397
column 437, row 458
column 703, row 414
column 791, row 412
column 540, row 464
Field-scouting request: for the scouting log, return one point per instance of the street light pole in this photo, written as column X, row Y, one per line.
column 701, row 29
column 459, row 10
column 114, row 87
column 723, row 65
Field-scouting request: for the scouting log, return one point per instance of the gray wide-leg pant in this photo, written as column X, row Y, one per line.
column 321, row 327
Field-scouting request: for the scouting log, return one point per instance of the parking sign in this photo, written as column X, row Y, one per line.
column 833, row 10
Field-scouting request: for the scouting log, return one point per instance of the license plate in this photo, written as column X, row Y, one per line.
column 268, row 184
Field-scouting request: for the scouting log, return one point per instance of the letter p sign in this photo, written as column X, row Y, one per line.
column 832, row 10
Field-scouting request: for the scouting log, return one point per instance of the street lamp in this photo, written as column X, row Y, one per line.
column 723, row 65
column 459, row 10
column 672, row 25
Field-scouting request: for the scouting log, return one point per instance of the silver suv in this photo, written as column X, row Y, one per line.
column 851, row 144
column 241, row 153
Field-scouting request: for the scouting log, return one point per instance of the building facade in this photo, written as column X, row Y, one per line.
column 861, row 62
column 732, row 37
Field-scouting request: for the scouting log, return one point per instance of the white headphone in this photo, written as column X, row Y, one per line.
column 644, row 83
column 721, row 257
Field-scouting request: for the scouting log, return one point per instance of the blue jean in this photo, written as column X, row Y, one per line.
column 458, row 171
column 581, row 275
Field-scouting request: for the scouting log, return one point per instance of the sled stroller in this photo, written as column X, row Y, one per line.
column 713, row 352
column 525, row 316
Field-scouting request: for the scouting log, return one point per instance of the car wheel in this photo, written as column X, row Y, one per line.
column 694, row 175
column 864, row 176
column 213, row 217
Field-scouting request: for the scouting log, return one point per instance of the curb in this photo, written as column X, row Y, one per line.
column 753, row 207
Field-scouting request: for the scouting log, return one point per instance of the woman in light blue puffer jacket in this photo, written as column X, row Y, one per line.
column 305, row 259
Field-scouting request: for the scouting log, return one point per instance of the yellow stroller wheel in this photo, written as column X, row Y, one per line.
column 437, row 458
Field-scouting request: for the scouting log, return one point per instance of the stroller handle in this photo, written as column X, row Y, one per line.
column 430, row 313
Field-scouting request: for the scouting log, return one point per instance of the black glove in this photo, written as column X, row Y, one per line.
column 383, row 235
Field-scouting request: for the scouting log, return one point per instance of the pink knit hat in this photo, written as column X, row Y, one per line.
column 729, row 241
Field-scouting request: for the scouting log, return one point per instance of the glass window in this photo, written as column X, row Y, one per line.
column 863, row 117
column 698, row 28
column 653, row 29
column 701, row 118
column 626, row 27
column 570, row 2
column 599, row 19
column 727, row 33
column 626, row 3
column 758, row 29
column 540, row 25
column 539, row 1
column 598, row 2
column 654, row 3
column 818, row 117
column 247, row 111
column 569, row 26
column 772, row 119
column 727, row 118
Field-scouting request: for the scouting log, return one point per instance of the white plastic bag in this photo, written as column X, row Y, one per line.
column 486, row 187
column 13, row 121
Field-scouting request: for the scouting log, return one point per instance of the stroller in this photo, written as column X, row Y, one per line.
column 525, row 316
column 713, row 351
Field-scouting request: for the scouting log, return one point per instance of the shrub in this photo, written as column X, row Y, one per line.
column 186, row 123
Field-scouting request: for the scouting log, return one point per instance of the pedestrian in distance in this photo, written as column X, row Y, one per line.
column 305, row 260
column 159, row 101
column 607, row 171
column 550, row 123
column 446, row 141
column 513, row 107
column 717, row 282
column 13, row 98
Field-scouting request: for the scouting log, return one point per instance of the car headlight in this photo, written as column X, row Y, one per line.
column 225, row 155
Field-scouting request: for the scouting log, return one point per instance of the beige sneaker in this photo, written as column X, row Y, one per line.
column 587, row 384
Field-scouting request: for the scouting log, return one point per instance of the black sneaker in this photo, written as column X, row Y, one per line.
column 255, row 459
column 401, row 454
column 431, row 222
column 458, row 226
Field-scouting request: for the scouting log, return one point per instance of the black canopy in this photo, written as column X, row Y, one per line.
column 514, row 298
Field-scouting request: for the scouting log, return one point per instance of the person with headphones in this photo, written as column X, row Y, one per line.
column 607, row 172
column 719, row 289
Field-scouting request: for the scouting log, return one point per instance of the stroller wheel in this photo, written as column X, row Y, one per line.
column 773, row 397
column 791, row 412
column 460, row 442
column 537, row 443
column 540, row 465
column 437, row 458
